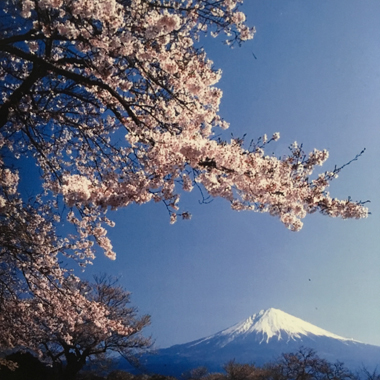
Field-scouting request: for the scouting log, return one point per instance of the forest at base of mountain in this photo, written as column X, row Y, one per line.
column 304, row 364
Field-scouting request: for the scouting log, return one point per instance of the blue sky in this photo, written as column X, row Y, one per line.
column 316, row 80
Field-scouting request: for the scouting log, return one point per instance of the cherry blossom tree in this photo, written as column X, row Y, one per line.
column 114, row 103
column 88, row 339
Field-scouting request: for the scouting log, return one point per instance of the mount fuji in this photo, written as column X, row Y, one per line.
column 261, row 338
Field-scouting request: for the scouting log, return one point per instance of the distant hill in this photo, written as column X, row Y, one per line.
column 261, row 338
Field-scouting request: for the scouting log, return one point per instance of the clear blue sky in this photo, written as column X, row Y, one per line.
column 316, row 80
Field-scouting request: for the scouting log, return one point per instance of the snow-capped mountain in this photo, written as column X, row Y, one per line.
column 261, row 338
column 268, row 324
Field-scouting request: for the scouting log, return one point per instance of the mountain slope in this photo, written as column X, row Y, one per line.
column 271, row 323
column 261, row 338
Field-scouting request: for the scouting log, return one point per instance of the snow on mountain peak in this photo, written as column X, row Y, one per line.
column 276, row 323
column 267, row 324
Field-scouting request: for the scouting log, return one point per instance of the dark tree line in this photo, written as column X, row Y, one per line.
column 304, row 364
